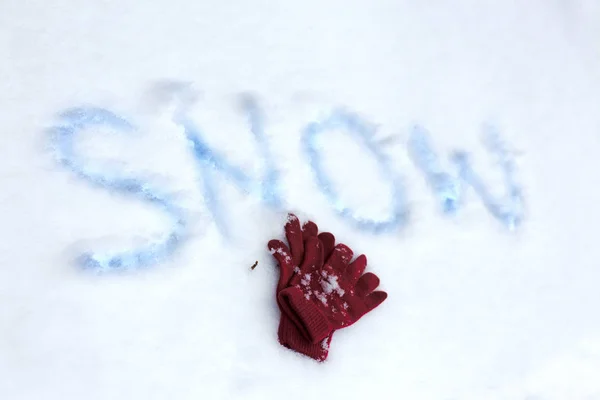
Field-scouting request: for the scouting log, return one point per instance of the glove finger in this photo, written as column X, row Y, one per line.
column 356, row 269
column 339, row 258
column 313, row 256
column 366, row 284
column 309, row 229
column 328, row 241
column 293, row 233
column 281, row 253
column 375, row 299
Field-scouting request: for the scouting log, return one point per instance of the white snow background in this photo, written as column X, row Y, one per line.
column 474, row 311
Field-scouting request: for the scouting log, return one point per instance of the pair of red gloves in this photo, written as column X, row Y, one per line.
column 319, row 290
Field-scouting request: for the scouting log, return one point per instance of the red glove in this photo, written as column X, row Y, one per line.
column 289, row 264
column 322, row 298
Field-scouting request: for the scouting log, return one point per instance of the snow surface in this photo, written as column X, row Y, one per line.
column 474, row 311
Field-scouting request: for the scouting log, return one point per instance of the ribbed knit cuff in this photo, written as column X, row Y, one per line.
column 290, row 337
column 313, row 325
